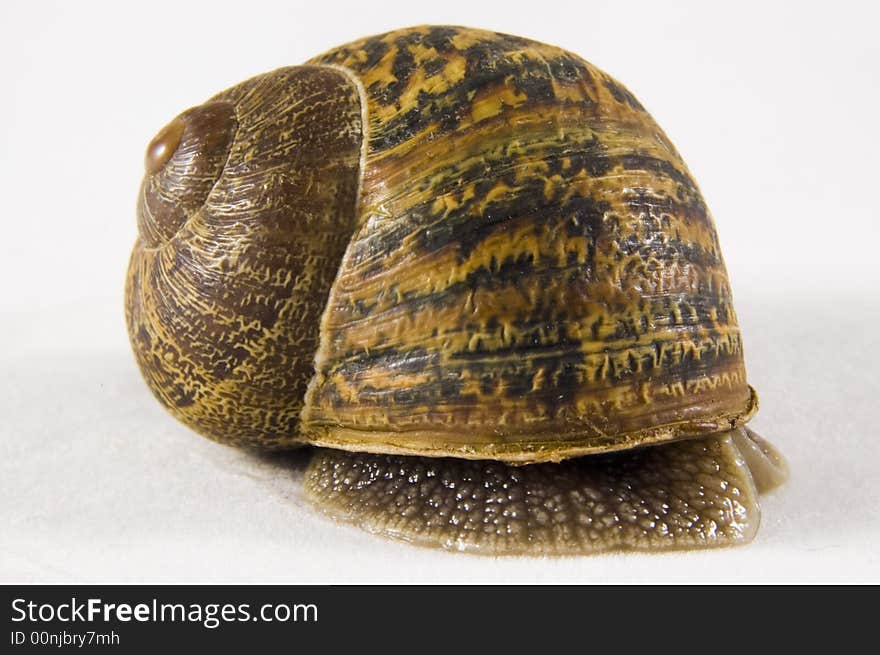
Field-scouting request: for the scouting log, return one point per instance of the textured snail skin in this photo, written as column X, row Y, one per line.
column 690, row 494
column 450, row 243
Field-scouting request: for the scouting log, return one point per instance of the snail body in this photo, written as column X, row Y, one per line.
column 444, row 244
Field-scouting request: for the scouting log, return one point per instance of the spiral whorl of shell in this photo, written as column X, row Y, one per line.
column 241, row 234
column 534, row 273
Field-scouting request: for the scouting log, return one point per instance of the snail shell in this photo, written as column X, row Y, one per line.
column 439, row 241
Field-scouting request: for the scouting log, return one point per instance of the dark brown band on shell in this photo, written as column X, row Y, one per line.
column 535, row 274
column 514, row 260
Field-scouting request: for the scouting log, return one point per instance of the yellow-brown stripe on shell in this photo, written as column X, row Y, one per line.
column 238, row 246
column 534, row 273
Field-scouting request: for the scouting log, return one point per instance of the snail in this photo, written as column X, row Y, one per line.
column 472, row 272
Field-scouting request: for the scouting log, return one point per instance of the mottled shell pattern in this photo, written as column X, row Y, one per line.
column 435, row 241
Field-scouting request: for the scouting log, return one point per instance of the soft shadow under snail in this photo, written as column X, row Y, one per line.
column 470, row 269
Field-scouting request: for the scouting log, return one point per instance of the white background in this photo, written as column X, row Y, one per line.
column 773, row 106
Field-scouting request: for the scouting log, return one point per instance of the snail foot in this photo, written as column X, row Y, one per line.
column 684, row 495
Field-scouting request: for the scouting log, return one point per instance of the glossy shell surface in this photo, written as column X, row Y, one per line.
column 437, row 241
column 534, row 273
